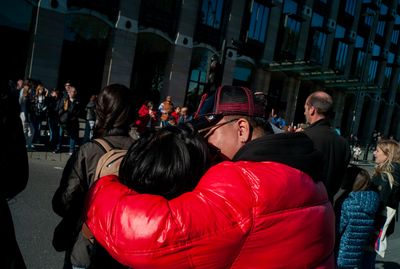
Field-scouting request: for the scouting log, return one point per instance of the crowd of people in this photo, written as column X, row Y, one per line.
column 223, row 188
column 52, row 116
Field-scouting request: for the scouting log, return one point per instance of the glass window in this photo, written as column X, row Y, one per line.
column 339, row 32
column 243, row 71
column 289, row 7
column 359, row 42
column 387, row 75
column 201, row 59
column 360, row 63
column 317, row 20
column 291, row 35
column 211, row 13
column 376, row 51
column 380, row 29
column 341, row 55
column 390, row 58
column 369, row 18
column 258, row 22
column 318, row 47
column 350, row 7
column 395, row 36
column 384, row 9
column 372, row 71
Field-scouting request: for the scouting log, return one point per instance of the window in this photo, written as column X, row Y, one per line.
column 201, row 59
column 258, row 22
column 350, row 7
column 289, row 7
column 291, row 36
column 390, row 59
column 341, row 55
column 360, row 63
column 380, row 29
column 384, row 9
column 317, row 20
column 372, row 71
column 318, row 46
column 339, row 32
column 242, row 74
column 359, row 42
column 395, row 36
column 211, row 13
column 369, row 18
column 387, row 75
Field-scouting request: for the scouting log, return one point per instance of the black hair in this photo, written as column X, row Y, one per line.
column 356, row 179
column 114, row 110
column 169, row 162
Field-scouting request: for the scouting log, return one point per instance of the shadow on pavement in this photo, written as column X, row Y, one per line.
column 387, row 265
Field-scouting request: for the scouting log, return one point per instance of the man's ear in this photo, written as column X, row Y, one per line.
column 244, row 130
column 313, row 111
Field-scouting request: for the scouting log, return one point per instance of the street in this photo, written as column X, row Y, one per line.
column 35, row 220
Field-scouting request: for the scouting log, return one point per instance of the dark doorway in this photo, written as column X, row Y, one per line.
column 82, row 63
column 148, row 72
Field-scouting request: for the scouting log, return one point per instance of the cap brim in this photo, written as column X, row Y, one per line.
column 205, row 121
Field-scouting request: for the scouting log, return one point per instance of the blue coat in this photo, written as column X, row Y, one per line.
column 356, row 226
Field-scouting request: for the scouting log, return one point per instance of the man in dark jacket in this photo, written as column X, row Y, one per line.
column 14, row 175
column 335, row 149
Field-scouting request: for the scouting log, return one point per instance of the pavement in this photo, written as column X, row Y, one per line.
column 35, row 221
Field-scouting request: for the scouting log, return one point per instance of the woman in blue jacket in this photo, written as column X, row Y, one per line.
column 357, row 218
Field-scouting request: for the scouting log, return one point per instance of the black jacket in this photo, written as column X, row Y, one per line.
column 69, row 198
column 14, row 175
column 293, row 149
column 336, row 154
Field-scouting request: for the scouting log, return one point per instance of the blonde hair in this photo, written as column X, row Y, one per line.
column 391, row 149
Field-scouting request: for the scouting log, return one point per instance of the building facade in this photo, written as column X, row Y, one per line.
column 284, row 48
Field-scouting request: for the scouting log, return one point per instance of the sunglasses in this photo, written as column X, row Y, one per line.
column 205, row 132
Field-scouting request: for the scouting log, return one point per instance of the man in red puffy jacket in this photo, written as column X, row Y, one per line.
column 264, row 206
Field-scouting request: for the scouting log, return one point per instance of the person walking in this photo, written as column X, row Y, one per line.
column 14, row 175
column 90, row 119
column 335, row 149
column 261, row 205
column 386, row 179
column 114, row 114
column 68, row 112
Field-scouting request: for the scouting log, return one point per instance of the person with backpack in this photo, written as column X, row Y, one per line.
column 114, row 113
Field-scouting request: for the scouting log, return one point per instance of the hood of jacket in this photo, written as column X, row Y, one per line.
column 292, row 149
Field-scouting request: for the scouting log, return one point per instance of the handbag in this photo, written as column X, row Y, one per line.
column 389, row 214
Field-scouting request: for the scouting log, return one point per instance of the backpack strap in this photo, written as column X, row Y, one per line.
column 104, row 144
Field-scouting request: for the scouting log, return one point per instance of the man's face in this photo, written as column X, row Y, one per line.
column 224, row 136
column 308, row 110
column 72, row 92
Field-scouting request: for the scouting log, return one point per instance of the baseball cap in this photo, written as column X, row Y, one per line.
column 225, row 101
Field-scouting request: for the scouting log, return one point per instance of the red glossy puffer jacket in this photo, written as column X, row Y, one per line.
column 241, row 215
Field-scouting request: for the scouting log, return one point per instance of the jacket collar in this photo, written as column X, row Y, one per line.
column 292, row 149
column 321, row 122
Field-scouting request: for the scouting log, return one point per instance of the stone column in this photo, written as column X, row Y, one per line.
column 359, row 103
column 121, row 50
column 372, row 115
column 262, row 79
column 47, row 37
column 339, row 99
column 291, row 90
column 232, row 32
column 389, row 109
column 177, row 68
